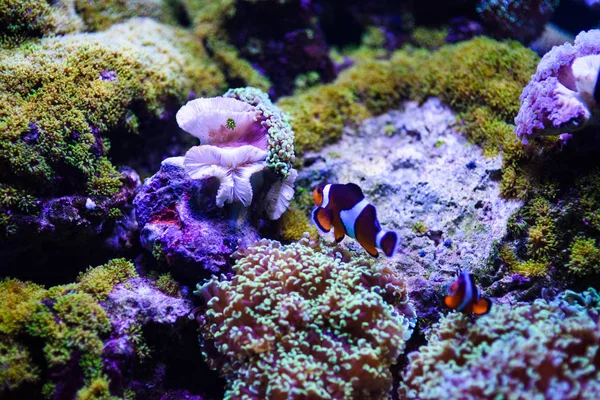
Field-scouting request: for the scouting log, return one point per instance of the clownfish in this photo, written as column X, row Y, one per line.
column 464, row 295
column 345, row 208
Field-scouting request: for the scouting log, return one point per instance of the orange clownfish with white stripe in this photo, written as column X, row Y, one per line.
column 464, row 295
column 345, row 208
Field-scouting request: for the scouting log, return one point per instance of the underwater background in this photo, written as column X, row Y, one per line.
column 169, row 169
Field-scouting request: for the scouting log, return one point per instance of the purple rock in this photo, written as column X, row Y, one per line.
column 32, row 135
column 183, row 227
column 108, row 76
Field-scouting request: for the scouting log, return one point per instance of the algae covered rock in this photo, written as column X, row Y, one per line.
column 438, row 192
column 106, row 336
column 68, row 103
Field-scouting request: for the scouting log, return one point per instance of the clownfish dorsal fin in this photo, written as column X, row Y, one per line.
column 483, row 306
column 322, row 218
column 355, row 190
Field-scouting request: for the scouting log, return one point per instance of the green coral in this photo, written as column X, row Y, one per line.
column 169, row 286
column 100, row 281
column 209, row 19
column 305, row 321
column 60, row 97
column 63, row 323
column 420, row 228
column 584, row 257
column 526, row 351
column 280, row 135
column 429, row 38
column 100, row 15
column 294, row 223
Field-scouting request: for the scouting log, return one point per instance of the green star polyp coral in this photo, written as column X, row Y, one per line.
column 302, row 321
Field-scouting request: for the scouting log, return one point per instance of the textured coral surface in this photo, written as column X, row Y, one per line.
column 304, row 321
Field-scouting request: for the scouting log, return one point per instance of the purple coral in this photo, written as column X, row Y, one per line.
column 559, row 97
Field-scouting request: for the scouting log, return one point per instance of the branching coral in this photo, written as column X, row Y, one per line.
column 540, row 350
column 559, row 98
column 299, row 321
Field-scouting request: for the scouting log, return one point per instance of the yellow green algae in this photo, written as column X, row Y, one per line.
column 480, row 79
column 60, row 96
column 65, row 323
column 208, row 20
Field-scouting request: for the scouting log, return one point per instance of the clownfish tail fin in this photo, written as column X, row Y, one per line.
column 388, row 242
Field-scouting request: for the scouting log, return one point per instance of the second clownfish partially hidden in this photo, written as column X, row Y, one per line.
column 345, row 208
column 464, row 295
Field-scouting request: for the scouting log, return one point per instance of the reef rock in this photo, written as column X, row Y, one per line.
column 182, row 226
column 428, row 183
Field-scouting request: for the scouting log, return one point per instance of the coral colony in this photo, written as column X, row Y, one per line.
column 249, row 200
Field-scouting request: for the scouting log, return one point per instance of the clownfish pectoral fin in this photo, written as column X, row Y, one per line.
column 322, row 218
column 338, row 230
column 483, row 306
column 452, row 302
column 372, row 250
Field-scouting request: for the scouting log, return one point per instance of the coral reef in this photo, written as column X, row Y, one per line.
column 522, row 20
column 471, row 77
column 560, row 96
column 64, row 99
column 280, row 38
column 539, row 350
column 183, row 227
column 305, row 321
column 438, row 193
column 64, row 325
column 102, row 337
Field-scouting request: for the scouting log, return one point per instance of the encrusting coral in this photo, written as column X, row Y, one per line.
column 304, row 321
column 241, row 134
column 541, row 350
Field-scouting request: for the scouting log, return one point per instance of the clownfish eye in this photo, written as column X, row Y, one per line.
column 319, row 190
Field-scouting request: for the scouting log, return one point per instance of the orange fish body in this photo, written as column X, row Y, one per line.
column 345, row 208
column 464, row 295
